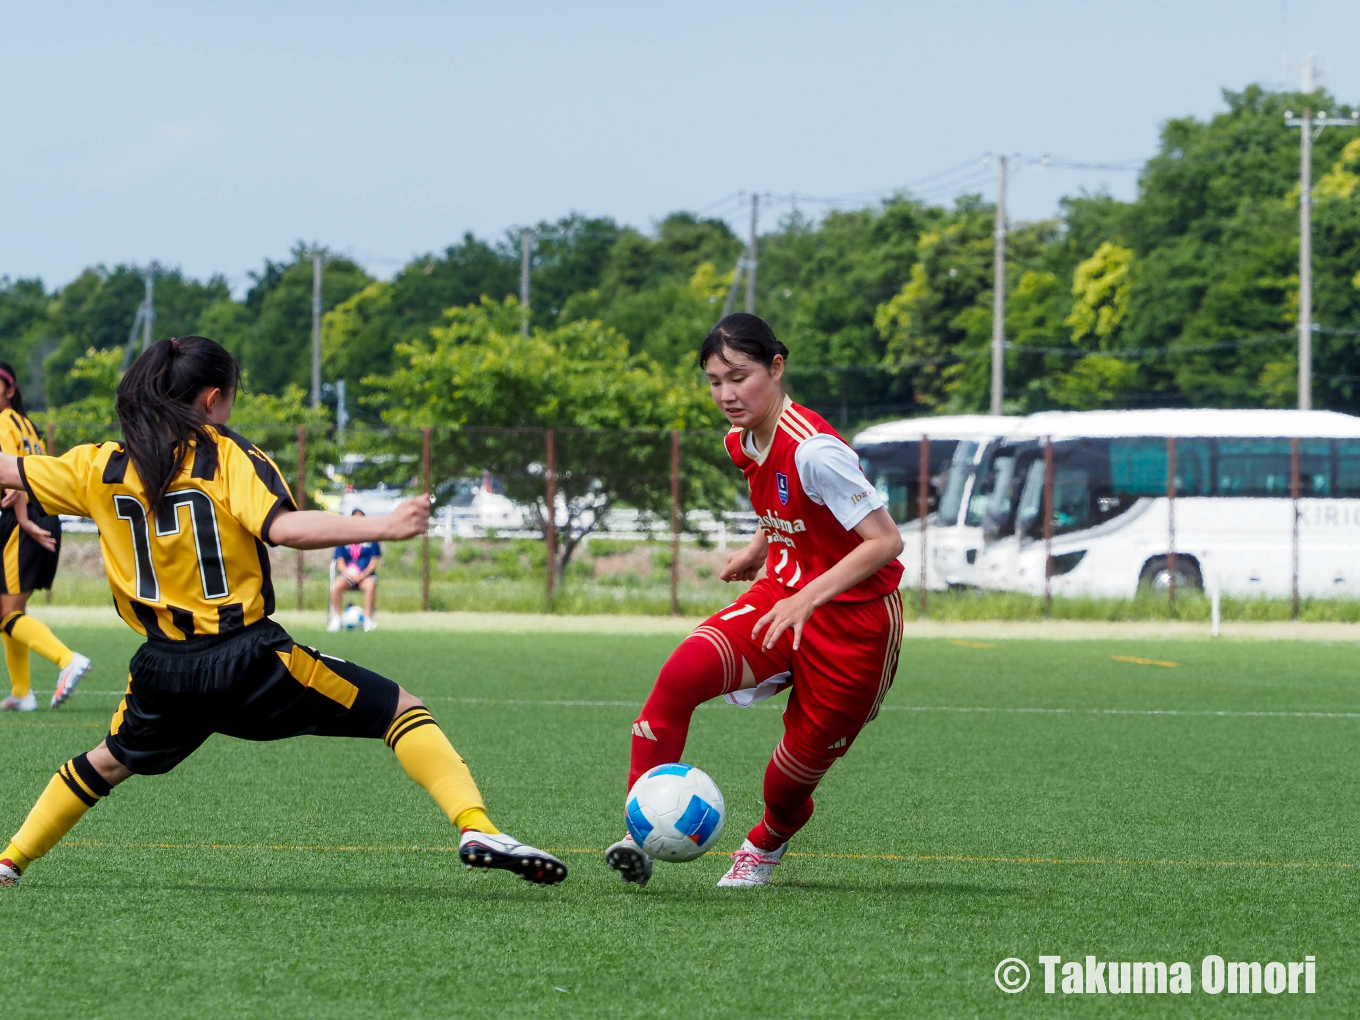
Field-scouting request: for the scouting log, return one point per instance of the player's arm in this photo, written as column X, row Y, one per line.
column 371, row 569
column 882, row 544
column 745, row 563
column 259, row 498
column 317, row 529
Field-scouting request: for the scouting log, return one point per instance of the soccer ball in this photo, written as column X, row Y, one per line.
column 352, row 618
column 675, row 812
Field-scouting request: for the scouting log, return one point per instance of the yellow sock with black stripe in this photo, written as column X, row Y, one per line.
column 75, row 789
column 428, row 758
column 37, row 636
column 16, row 661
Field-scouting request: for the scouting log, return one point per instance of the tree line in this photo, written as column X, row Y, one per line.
column 1186, row 295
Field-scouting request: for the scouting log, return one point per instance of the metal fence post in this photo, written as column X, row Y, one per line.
column 1171, row 522
column 675, row 522
column 1294, row 496
column 300, row 497
column 550, row 521
column 1048, row 525
column 425, row 539
column 922, row 511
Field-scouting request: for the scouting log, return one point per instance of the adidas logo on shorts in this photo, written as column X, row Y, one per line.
column 838, row 744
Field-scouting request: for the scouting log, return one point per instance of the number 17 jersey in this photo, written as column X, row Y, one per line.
column 199, row 564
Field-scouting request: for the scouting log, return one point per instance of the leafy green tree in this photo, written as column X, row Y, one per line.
column 277, row 350
column 489, row 393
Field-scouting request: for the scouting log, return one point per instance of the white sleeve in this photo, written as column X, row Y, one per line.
column 830, row 474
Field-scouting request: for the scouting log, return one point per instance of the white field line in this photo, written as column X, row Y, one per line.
column 957, row 709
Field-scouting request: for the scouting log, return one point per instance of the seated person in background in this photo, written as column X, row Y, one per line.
column 356, row 568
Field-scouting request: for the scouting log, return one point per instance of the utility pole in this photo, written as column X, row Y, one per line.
column 1310, row 125
column 999, row 291
column 318, row 264
column 149, row 306
column 526, row 247
column 751, row 257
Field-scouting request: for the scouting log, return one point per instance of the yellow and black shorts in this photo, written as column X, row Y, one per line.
column 28, row 566
column 254, row 684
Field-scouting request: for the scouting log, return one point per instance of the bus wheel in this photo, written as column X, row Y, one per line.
column 1157, row 574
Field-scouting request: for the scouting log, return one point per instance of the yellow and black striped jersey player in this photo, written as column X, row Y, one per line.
column 30, row 546
column 186, row 508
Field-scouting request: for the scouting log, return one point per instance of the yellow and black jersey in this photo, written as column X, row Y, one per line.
column 18, row 437
column 198, row 565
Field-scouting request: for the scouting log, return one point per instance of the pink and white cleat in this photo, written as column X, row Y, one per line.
column 68, row 678
column 28, row 703
column 9, row 872
column 752, row 865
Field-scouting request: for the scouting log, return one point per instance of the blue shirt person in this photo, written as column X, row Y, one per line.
column 356, row 568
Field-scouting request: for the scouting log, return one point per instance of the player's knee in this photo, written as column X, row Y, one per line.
column 694, row 665
column 406, row 701
column 109, row 768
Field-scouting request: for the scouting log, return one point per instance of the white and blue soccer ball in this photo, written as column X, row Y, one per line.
column 675, row 812
column 352, row 618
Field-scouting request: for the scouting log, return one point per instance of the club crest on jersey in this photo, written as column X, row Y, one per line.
column 781, row 481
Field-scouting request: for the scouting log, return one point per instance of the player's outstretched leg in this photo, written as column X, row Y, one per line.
column 790, row 779
column 695, row 672
column 428, row 758
column 77, row 787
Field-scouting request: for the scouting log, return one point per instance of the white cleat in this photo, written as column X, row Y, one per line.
column 9, row 872
column 333, row 623
column 631, row 862
column 752, row 865
column 28, row 703
column 487, row 851
column 370, row 624
column 68, row 678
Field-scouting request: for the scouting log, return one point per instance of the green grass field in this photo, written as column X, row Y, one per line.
column 1014, row 798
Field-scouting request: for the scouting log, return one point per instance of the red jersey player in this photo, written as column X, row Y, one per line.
column 825, row 619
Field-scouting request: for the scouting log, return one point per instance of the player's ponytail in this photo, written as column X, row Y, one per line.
column 8, row 377
column 746, row 334
column 158, row 410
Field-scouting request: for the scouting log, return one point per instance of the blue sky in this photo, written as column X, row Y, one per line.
column 212, row 136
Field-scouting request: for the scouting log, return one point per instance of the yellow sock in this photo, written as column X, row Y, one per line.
column 39, row 637
column 75, row 789
column 16, row 659
column 428, row 758
column 16, row 858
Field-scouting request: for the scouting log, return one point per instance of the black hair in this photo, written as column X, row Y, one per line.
column 16, row 399
column 157, row 405
column 358, row 511
column 746, row 334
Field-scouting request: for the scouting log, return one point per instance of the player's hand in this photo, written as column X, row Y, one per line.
column 10, row 498
column 743, row 565
column 793, row 611
column 410, row 518
column 42, row 536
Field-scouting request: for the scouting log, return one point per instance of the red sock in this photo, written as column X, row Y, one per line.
column 789, row 782
column 693, row 674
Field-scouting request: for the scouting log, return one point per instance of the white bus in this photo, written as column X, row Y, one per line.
column 1113, row 527
column 891, row 457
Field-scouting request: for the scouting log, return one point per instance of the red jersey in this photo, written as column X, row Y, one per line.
column 809, row 494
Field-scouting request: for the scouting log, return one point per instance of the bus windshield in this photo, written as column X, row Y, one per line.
column 960, row 471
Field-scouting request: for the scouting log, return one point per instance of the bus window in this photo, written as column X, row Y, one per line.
column 1138, row 466
column 1347, row 468
column 1264, row 467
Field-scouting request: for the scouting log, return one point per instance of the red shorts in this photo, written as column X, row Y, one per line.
column 844, row 665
